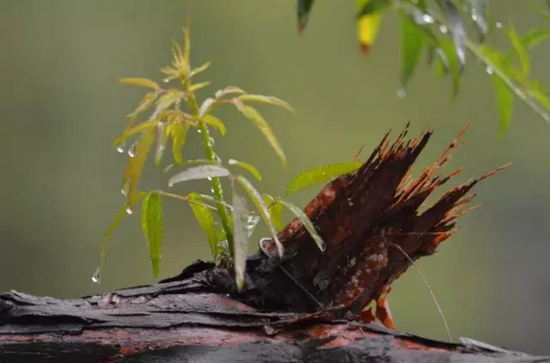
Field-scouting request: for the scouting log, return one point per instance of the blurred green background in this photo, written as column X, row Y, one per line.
column 61, row 108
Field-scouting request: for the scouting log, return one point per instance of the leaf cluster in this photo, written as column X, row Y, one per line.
column 439, row 29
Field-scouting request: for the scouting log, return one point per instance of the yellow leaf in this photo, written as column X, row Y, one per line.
column 144, row 82
column 368, row 27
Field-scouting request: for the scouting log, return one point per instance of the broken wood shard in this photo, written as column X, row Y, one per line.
column 369, row 219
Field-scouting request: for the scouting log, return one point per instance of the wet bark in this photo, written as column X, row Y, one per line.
column 306, row 306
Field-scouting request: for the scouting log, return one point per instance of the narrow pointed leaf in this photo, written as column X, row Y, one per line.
column 539, row 92
column 229, row 91
column 200, row 69
column 304, row 8
column 198, row 86
column 214, row 122
column 135, row 165
column 451, row 62
column 256, row 197
column 534, row 37
column 266, row 99
column 144, row 82
column 168, row 100
column 411, row 48
column 275, row 210
column 206, row 220
column 107, row 236
column 206, row 107
column 240, row 235
column 367, row 7
column 145, row 103
column 199, row 172
column 305, row 221
column 457, row 29
column 479, row 15
column 250, row 168
column 134, row 131
column 368, row 27
column 505, row 101
column 190, row 163
column 252, row 114
column 152, row 224
column 320, row 175
column 520, row 50
column 179, row 135
column 162, row 140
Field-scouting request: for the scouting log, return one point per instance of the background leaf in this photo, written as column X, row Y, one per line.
column 206, row 220
column 457, row 29
column 240, row 235
column 305, row 221
column 505, row 100
column 479, row 16
column 199, row 172
column 248, row 167
column 144, row 82
column 368, row 23
column 304, row 8
column 411, row 48
column 270, row 100
column 152, row 224
column 275, row 210
column 214, row 122
column 320, row 175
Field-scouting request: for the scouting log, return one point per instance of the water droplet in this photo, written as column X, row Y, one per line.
column 218, row 159
column 120, row 149
column 124, row 192
column 166, row 80
column 443, row 29
column 212, row 190
column 129, row 211
column 474, row 17
column 232, row 161
column 498, row 24
column 401, row 93
column 211, row 141
column 489, row 70
column 95, row 276
column 427, row 18
column 132, row 150
column 199, row 131
column 209, row 178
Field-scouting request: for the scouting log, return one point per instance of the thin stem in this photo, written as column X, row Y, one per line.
column 211, row 155
column 184, row 199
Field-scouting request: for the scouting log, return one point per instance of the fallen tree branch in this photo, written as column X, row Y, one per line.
column 307, row 306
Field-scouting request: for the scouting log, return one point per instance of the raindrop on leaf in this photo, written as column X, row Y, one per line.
column 489, row 70
column 428, row 19
column 401, row 93
column 498, row 24
column 443, row 29
column 132, row 150
column 209, row 179
column 95, row 276
column 120, row 149
column 211, row 141
column 129, row 211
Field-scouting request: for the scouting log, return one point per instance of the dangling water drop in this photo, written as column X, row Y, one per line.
column 166, row 80
column 232, row 161
column 209, row 178
column 95, row 276
column 443, row 29
column 489, row 70
column 129, row 210
column 124, row 192
column 401, row 93
column 498, row 24
column 132, row 150
column 428, row 19
column 120, row 149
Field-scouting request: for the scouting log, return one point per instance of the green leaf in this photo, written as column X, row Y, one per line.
column 266, row 99
column 191, row 162
column 367, row 7
column 206, row 220
column 135, row 130
column 534, row 37
column 199, row 172
column 168, row 100
column 413, row 39
column 214, row 122
column 179, row 135
column 152, row 225
column 520, row 50
column 250, row 168
column 320, row 175
column 145, row 103
column 198, row 86
column 252, row 114
column 206, row 106
column 200, row 69
column 240, row 235
column 505, row 100
column 228, row 91
column 539, row 92
column 134, row 167
column 451, row 62
column 305, row 221
column 144, row 82
column 106, row 237
column 275, row 210
column 256, row 197
column 479, row 15
column 368, row 24
column 457, row 29
column 304, row 8
column 162, row 140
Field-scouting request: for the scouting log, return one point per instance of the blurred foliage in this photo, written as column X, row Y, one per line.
column 438, row 27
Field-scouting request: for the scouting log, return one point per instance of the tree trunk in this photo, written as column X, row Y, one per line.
column 304, row 306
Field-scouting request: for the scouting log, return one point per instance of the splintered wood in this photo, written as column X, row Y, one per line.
column 369, row 220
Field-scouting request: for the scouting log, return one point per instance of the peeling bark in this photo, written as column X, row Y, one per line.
column 307, row 306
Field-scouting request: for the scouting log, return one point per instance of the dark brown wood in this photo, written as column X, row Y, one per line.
column 307, row 306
